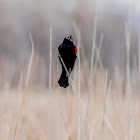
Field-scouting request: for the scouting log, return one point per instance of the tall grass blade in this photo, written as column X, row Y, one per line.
column 50, row 70
column 30, row 60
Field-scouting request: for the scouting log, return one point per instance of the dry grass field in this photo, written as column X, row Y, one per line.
column 38, row 115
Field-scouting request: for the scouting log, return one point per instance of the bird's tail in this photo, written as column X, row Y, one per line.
column 63, row 81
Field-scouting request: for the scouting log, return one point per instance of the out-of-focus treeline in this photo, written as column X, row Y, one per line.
column 19, row 17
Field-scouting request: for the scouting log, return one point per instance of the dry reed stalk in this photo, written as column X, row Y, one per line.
column 121, row 119
column 128, row 37
column 78, row 46
column 48, row 125
column 30, row 60
column 97, row 58
column 20, row 109
column 70, row 110
column 132, row 128
column 50, row 70
column 23, row 132
column 84, row 133
column 111, row 128
column 106, row 94
column 135, row 75
column 82, row 124
column 70, row 116
column 66, row 126
column 50, row 84
column 20, row 82
column 138, row 59
column 128, row 81
column 77, row 96
column 100, row 61
column 118, row 79
column 139, row 49
column 7, row 125
column 93, row 45
column 80, row 119
column 82, row 52
column 94, row 48
column 19, row 90
column 105, row 90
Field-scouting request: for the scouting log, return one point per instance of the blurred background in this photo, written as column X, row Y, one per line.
column 19, row 17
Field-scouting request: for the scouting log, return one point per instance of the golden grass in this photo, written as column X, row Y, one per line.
column 35, row 115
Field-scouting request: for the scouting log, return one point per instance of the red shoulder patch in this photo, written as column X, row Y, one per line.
column 76, row 51
column 60, row 43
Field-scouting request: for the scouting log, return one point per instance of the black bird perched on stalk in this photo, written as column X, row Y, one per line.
column 68, row 53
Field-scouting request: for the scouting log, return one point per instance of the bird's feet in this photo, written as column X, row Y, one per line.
column 68, row 74
column 59, row 55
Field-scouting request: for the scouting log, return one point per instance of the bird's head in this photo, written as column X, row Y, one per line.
column 70, row 38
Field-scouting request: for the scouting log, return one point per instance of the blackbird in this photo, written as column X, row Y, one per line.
column 68, row 53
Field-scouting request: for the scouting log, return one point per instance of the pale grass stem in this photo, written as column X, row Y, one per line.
column 78, row 46
column 49, row 122
column 109, row 88
column 95, row 50
column 65, row 124
column 50, row 70
column 50, row 80
column 23, row 132
column 79, row 114
column 139, row 54
column 77, row 95
column 111, row 128
column 97, row 57
column 93, row 45
column 82, row 52
column 128, row 36
column 106, row 94
column 30, row 60
column 20, row 82
column 105, row 90
column 19, row 90
column 128, row 80
column 78, row 35
column 19, row 108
